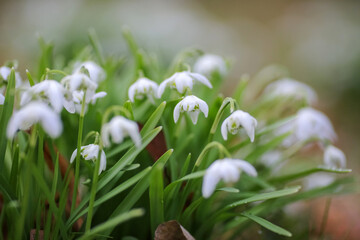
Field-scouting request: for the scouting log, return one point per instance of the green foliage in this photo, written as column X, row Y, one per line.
column 161, row 178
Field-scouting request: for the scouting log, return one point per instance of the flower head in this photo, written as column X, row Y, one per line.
column 76, row 85
column 183, row 81
column 226, row 169
column 334, row 157
column 209, row 64
column 143, row 87
column 5, row 73
column 97, row 74
column 49, row 91
column 237, row 119
column 91, row 152
column 118, row 128
column 35, row 112
column 290, row 87
column 193, row 105
column 309, row 123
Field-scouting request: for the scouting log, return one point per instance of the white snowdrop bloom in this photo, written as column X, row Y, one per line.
column 118, row 128
column 49, row 91
column 237, row 119
column 97, row 74
column 309, row 123
column 334, row 157
column 76, row 85
column 2, row 99
column 210, row 63
column 193, row 105
column 91, row 152
column 318, row 180
column 32, row 113
column 5, row 73
column 143, row 87
column 226, row 169
column 290, row 87
column 270, row 158
column 80, row 82
column 183, row 81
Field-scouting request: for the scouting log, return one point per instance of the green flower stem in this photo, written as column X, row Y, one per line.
column 115, row 109
column 77, row 160
column 27, row 185
column 222, row 151
column 226, row 102
column 93, row 191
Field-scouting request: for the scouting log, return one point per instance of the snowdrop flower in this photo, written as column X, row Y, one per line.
column 237, row 119
column 318, row 180
column 32, row 113
column 49, row 91
column 225, row 169
column 193, row 105
column 183, row 81
column 309, row 123
column 334, row 157
column 210, row 63
column 118, row 128
column 2, row 99
column 76, row 85
column 97, row 74
column 290, row 87
column 5, row 73
column 143, row 87
column 91, row 152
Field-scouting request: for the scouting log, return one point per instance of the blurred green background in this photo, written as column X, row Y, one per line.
column 319, row 42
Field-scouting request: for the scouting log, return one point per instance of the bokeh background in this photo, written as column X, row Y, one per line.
column 318, row 41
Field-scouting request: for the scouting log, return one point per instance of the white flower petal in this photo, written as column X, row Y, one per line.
column 226, row 169
column 32, row 113
column 246, row 167
column 334, row 157
column 194, row 115
column 73, row 156
column 177, row 112
column 224, row 129
column 2, row 99
column 201, row 79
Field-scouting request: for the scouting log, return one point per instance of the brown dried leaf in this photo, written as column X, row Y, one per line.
column 172, row 230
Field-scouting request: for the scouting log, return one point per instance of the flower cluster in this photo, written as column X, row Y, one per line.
column 147, row 145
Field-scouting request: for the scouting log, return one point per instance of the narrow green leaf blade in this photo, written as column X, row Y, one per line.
column 304, row 173
column 268, row 225
column 6, row 114
column 265, row 196
column 156, row 194
column 113, row 223
column 153, row 119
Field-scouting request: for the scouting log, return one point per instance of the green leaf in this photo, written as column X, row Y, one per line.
column 7, row 110
column 190, row 209
column 42, row 184
column 304, row 173
column 265, row 196
column 120, row 188
column 156, row 194
column 268, row 225
column 260, row 150
column 228, row 189
column 190, row 176
column 96, row 46
column 153, row 119
column 134, row 195
column 112, row 223
column 115, row 171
